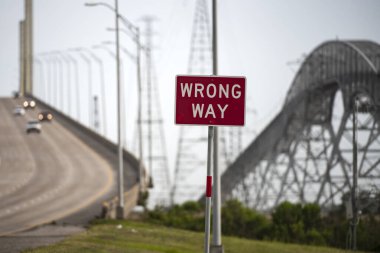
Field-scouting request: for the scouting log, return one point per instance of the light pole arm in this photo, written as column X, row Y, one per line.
column 129, row 54
column 93, row 56
column 106, row 49
column 124, row 20
column 135, row 37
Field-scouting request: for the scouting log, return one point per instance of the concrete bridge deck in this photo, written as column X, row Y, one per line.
column 62, row 174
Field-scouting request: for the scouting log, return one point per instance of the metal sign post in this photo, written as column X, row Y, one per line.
column 120, row 207
column 208, row 190
column 216, row 246
column 212, row 101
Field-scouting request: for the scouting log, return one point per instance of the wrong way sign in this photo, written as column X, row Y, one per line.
column 210, row 100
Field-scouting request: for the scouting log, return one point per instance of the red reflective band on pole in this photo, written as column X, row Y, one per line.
column 209, row 186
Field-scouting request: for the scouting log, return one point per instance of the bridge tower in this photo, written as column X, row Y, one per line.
column 26, row 50
column 152, row 127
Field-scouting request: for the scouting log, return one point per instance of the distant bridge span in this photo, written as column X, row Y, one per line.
column 305, row 153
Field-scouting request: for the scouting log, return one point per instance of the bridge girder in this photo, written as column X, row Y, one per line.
column 304, row 153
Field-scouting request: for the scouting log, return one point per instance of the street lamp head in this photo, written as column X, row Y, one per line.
column 76, row 49
column 90, row 4
column 108, row 42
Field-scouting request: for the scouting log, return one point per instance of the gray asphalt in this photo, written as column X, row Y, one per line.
column 45, row 177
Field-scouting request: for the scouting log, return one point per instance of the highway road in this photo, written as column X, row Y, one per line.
column 47, row 176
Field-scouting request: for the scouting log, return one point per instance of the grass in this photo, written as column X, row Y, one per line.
column 139, row 237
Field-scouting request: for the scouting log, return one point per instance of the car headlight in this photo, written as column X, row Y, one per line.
column 40, row 116
column 25, row 104
column 32, row 103
column 50, row 116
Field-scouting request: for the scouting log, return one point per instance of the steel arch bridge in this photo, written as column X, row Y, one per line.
column 305, row 153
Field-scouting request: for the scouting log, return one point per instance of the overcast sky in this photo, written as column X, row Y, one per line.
column 256, row 39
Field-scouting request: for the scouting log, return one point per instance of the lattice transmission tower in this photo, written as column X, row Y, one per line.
column 192, row 141
column 155, row 155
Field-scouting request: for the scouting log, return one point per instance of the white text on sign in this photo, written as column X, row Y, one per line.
column 211, row 91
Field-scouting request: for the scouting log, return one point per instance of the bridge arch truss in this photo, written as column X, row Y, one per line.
column 305, row 153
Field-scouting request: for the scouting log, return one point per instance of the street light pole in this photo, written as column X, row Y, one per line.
column 216, row 245
column 122, row 91
column 120, row 208
column 354, row 194
column 102, row 87
column 139, row 47
column 88, row 61
column 45, row 58
column 55, row 80
column 68, row 67
column 139, row 109
column 135, row 35
column 123, row 121
column 60, row 74
column 76, row 84
column 41, row 78
column 110, row 52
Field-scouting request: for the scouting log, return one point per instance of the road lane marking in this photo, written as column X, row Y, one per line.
column 89, row 201
column 5, row 111
column 107, row 184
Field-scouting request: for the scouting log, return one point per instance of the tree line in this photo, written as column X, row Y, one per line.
column 288, row 222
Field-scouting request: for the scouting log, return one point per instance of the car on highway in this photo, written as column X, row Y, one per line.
column 33, row 126
column 19, row 111
column 29, row 104
column 45, row 116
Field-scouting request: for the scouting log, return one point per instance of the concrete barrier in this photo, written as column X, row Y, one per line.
column 130, row 197
column 64, row 119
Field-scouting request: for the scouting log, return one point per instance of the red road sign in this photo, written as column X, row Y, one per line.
column 210, row 100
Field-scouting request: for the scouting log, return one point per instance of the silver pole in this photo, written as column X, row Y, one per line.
column 51, row 79
column 41, row 79
column 120, row 208
column 68, row 86
column 149, row 97
column 102, row 88
column 47, row 60
column 96, row 114
column 68, row 94
column 61, row 84
column 354, row 195
column 136, row 39
column 216, row 245
column 89, row 73
column 76, row 74
column 55, row 79
column 208, row 189
column 139, row 125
